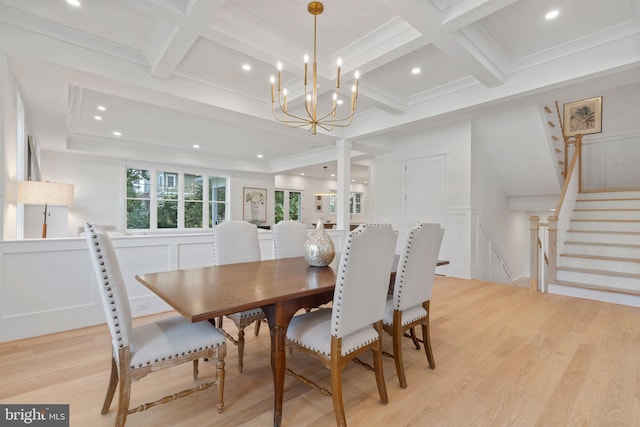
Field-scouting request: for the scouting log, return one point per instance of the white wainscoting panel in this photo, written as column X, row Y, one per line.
column 48, row 285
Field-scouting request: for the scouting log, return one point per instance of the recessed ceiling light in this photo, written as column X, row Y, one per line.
column 353, row 180
column 302, row 173
column 102, row 108
column 246, row 67
column 75, row 3
column 117, row 133
column 97, row 117
column 333, row 174
column 260, row 156
column 365, row 182
column 552, row 14
column 195, row 146
column 415, row 70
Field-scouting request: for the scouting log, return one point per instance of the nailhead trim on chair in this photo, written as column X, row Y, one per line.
column 106, row 285
column 404, row 266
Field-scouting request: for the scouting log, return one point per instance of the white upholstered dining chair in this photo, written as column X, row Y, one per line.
column 409, row 306
column 289, row 238
column 354, row 323
column 235, row 242
column 138, row 351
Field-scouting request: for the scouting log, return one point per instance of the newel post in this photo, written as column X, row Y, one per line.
column 534, row 253
column 553, row 247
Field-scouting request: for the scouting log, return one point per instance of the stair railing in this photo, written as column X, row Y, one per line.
column 539, row 259
column 559, row 223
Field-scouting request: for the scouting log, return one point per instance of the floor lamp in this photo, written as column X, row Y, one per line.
column 45, row 193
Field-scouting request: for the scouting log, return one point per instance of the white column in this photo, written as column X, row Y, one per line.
column 343, row 148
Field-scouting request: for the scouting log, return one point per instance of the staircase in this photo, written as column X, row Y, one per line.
column 602, row 248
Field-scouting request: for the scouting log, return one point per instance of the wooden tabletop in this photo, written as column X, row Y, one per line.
column 208, row 292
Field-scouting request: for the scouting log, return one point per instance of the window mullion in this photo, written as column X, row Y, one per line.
column 153, row 217
column 180, row 184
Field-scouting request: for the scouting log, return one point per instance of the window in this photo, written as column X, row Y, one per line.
column 356, row 201
column 167, row 200
column 288, row 205
column 158, row 199
column 138, row 199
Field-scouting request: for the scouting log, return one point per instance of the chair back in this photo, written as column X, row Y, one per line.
column 111, row 286
column 417, row 266
column 363, row 278
column 234, row 242
column 289, row 238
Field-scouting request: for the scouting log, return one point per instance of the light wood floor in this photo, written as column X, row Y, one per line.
column 505, row 357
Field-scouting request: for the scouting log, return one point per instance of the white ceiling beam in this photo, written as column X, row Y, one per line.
column 171, row 47
column 425, row 18
column 467, row 12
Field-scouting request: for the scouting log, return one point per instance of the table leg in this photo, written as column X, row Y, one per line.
column 278, row 317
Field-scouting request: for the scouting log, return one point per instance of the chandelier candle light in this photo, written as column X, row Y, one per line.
column 327, row 121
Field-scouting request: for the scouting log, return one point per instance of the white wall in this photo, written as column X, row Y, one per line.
column 454, row 143
column 99, row 189
column 507, row 229
column 8, row 166
column 314, row 185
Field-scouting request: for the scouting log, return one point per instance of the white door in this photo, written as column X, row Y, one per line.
column 425, row 186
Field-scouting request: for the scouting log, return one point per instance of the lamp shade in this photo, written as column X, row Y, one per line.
column 45, row 193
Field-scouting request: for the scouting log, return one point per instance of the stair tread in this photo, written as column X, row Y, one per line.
column 609, row 200
column 615, row 245
column 602, row 258
column 599, row 272
column 604, row 232
column 607, row 210
column 597, row 287
column 605, row 220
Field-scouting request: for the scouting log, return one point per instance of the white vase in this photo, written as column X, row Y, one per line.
column 319, row 250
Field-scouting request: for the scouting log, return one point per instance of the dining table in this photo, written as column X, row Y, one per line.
column 280, row 287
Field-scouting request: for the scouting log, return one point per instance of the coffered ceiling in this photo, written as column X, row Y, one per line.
column 169, row 72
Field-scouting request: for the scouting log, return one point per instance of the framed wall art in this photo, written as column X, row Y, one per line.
column 583, row 117
column 254, row 207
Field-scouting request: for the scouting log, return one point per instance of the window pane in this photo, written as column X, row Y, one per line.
column 294, row 205
column 167, row 214
column 217, row 211
column 332, row 204
column 217, row 189
column 138, row 183
column 279, row 206
column 193, row 214
column 192, row 187
column 167, row 186
column 138, row 214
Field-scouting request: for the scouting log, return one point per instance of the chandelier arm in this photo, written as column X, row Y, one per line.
column 340, row 119
column 285, row 113
column 328, row 121
column 288, row 117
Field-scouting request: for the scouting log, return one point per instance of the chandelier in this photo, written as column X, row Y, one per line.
column 328, row 120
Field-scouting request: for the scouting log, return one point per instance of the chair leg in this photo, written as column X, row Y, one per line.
column 124, row 393
column 397, row 354
column 195, row 369
column 426, row 337
column 377, row 367
column 113, row 383
column 240, row 349
column 414, row 338
column 336, row 394
column 257, row 330
column 220, row 381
